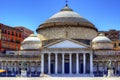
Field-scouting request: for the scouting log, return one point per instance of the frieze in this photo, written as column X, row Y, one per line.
column 65, row 51
column 105, row 52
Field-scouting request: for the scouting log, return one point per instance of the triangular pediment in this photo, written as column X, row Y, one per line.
column 67, row 44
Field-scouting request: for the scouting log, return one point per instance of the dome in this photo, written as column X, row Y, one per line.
column 31, row 38
column 67, row 15
column 101, row 38
column 31, row 42
column 102, row 42
column 67, row 22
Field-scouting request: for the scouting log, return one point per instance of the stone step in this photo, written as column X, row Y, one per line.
column 71, row 75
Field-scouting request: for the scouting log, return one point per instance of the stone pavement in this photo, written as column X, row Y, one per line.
column 60, row 78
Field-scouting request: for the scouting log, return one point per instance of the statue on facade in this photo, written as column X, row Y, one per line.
column 23, row 69
column 23, row 65
column 110, row 69
column 109, row 64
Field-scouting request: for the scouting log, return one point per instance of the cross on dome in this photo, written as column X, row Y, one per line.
column 66, row 2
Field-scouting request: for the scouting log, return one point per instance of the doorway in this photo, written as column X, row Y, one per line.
column 66, row 68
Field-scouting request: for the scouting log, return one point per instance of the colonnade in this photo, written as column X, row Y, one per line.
column 77, row 61
column 14, row 67
column 74, row 61
column 101, row 67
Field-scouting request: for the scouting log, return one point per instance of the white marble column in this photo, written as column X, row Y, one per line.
column 18, row 67
column 103, row 67
column 70, row 63
column 49, row 63
column 56, row 63
column 84, row 63
column 2, row 64
column 6, row 67
column 42, row 63
column 77, row 63
column 97, row 67
column 91, row 63
column 30, row 65
column 12, row 66
column 36, row 67
column 117, row 66
column 63, row 63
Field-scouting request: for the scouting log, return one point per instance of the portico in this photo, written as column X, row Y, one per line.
column 67, row 63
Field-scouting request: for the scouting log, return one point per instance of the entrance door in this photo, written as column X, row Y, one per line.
column 52, row 68
column 67, row 68
column 81, row 68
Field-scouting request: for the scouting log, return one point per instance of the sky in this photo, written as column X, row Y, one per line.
column 104, row 14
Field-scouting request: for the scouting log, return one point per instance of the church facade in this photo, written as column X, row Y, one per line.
column 65, row 45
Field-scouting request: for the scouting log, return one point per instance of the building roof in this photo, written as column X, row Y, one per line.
column 31, row 38
column 101, row 38
column 66, row 16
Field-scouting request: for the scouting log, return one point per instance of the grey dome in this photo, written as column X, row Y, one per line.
column 31, row 42
column 67, row 24
column 102, row 42
column 101, row 38
column 67, row 16
column 31, row 38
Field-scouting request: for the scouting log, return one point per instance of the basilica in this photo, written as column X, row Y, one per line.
column 66, row 44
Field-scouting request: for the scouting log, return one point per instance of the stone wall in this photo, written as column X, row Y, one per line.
column 68, row 32
column 31, row 45
column 102, row 45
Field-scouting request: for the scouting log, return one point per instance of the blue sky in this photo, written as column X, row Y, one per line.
column 104, row 14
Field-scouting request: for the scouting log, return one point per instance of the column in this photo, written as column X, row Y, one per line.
column 30, row 66
column 49, row 63
column 63, row 63
column 118, row 66
column 42, row 63
column 91, row 63
column 56, row 63
column 70, row 63
column 84, row 63
column 2, row 64
column 77, row 63
column 97, row 67
column 6, row 67
column 103, row 67
column 12, row 67
column 36, row 67
column 18, row 67
column 115, row 67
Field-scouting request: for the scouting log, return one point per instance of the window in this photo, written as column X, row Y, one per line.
column 3, row 45
column 5, row 38
column 16, row 34
column 119, row 44
column 114, row 44
column 17, row 41
column 17, row 47
column 20, row 35
column 13, row 33
column 8, row 32
column 119, row 35
column 2, row 37
column 8, row 38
